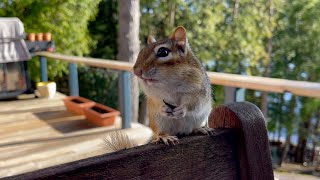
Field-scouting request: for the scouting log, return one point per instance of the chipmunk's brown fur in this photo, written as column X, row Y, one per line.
column 170, row 74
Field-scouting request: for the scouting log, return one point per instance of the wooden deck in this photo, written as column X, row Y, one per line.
column 238, row 149
column 39, row 133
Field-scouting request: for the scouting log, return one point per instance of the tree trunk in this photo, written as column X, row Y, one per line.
column 236, row 8
column 264, row 96
column 300, row 150
column 302, row 143
column 129, row 44
column 171, row 13
column 315, row 134
column 279, row 134
column 264, row 104
column 286, row 148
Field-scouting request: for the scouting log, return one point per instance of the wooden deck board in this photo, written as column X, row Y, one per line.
column 40, row 133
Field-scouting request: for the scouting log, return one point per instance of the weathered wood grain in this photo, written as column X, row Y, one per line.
column 241, row 151
column 196, row 157
column 95, row 62
column 254, row 156
column 300, row 88
column 39, row 133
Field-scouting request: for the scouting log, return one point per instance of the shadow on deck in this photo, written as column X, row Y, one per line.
column 40, row 133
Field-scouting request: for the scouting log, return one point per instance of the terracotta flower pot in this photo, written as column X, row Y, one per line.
column 47, row 36
column 39, row 36
column 31, row 37
column 77, row 104
column 101, row 115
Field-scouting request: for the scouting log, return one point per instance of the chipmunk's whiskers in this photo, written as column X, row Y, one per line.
column 132, row 76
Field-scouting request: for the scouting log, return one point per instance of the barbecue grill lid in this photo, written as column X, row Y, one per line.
column 12, row 45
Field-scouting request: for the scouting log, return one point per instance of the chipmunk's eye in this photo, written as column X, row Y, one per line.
column 163, row 52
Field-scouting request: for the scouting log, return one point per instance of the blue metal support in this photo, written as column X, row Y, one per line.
column 125, row 99
column 43, row 69
column 240, row 95
column 73, row 79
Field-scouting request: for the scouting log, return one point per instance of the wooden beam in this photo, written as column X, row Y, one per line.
column 299, row 88
column 95, row 62
column 196, row 157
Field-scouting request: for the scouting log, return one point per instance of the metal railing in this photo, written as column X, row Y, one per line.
column 300, row 88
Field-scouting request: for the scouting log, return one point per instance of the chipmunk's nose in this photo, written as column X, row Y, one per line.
column 137, row 71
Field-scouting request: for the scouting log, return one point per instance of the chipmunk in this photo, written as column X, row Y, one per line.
column 177, row 88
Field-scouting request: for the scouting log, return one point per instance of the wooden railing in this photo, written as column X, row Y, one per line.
column 95, row 62
column 299, row 88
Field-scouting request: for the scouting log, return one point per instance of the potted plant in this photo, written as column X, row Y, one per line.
column 101, row 115
column 39, row 36
column 47, row 36
column 31, row 37
column 77, row 104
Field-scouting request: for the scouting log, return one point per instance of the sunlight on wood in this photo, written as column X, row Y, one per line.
column 39, row 133
column 300, row 88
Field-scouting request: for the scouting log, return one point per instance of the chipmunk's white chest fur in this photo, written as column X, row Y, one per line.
column 193, row 119
column 197, row 113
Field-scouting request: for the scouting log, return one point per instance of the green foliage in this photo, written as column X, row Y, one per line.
column 233, row 41
column 235, row 38
column 296, row 56
column 67, row 20
column 100, row 85
column 296, row 41
column 215, row 32
column 226, row 36
column 104, row 30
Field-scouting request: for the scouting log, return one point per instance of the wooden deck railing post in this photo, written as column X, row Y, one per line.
column 125, row 98
column 73, row 79
column 240, row 95
column 229, row 94
column 232, row 94
column 43, row 69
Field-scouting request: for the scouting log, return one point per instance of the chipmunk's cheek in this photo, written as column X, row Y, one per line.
column 152, row 82
column 149, row 82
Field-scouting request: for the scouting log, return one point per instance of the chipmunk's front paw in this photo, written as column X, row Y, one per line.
column 176, row 112
column 166, row 139
column 166, row 111
column 203, row 130
column 179, row 112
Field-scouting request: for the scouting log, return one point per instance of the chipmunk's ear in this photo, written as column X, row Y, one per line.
column 151, row 39
column 180, row 36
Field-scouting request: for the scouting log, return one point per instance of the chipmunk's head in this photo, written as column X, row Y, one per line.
column 164, row 63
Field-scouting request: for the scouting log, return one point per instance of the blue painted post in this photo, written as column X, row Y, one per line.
column 73, row 79
column 240, row 95
column 125, row 99
column 43, row 69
